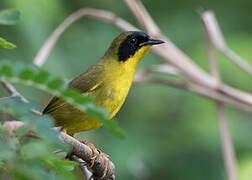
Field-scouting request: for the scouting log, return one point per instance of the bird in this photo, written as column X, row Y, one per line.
column 108, row 82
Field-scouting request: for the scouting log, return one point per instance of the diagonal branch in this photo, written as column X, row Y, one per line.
column 194, row 88
column 106, row 16
column 218, row 41
column 12, row 90
column 144, row 18
column 168, row 51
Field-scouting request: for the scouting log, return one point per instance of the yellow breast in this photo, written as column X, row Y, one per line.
column 115, row 87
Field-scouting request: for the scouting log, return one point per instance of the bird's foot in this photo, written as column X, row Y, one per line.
column 92, row 147
column 95, row 156
column 105, row 158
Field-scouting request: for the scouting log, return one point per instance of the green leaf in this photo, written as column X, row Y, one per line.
column 61, row 164
column 41, row 77
column 9, row 16
column 26, row 74
column 55, row 83
column 76, row 96
column 5, row 44
column 35, row 150
column 63, row 168
column 6, row 70
column 22, row 130
column 32, row 158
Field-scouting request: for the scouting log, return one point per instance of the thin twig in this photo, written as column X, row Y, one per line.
column 216, row 37
column 144, row 18
column 161, row 68
column 106, row 16
column 12, row 90
column 227, row 145
column 226, row 142
column 200, row 90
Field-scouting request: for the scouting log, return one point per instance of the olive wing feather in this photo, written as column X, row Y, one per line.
column 85, row 83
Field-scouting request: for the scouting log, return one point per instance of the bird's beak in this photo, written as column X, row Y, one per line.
column 152, row 41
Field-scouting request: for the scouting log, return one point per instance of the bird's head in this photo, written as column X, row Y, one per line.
column 131, row 46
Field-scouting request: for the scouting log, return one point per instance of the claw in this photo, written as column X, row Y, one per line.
column 106, row 164
column 92, row 147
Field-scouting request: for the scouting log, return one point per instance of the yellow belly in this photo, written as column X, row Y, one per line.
column 110, row 97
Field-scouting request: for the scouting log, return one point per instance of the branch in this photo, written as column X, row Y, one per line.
column 84, row 152
column 86, row 12
column 144, row 18
column 175, row 57
column 227, row 146
column 12, row 90
column 81, row 151
column 162, row 68
column 218, row 41
column 200, row 90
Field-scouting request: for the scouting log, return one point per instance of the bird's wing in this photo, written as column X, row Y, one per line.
column 87, row 82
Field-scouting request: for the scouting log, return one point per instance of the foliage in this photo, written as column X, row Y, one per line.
column 5, row 44
column 31, row 158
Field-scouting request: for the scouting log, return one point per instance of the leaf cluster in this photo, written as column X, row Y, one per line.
column 28, row 152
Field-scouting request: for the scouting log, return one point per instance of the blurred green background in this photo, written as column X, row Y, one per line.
column 171, row 134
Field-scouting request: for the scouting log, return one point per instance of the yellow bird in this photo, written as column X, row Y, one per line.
column 108, row 81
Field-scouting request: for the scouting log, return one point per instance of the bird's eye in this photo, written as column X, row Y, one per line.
column 133, row 41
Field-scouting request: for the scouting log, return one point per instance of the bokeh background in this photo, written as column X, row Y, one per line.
column 170, row 133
